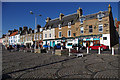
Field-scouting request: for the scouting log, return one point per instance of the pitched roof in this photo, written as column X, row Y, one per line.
column 72, row 18
column 14, row 33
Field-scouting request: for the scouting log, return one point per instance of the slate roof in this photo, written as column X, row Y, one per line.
column 72, row 18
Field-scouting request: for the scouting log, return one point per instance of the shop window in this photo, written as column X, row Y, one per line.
column 104, row 38
column 90, row 29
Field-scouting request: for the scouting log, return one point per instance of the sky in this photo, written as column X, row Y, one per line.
column 17, row 14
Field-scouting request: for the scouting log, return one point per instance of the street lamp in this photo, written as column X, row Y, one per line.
column 35, row 25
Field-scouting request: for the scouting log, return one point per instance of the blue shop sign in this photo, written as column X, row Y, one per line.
column 87, row 39
column 96, row 38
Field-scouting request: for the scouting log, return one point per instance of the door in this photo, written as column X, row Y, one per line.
column 53, row 43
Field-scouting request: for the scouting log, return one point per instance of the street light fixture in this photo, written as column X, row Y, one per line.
column 35, row 25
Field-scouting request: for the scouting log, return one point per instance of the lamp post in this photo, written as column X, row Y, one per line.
column 35, row 25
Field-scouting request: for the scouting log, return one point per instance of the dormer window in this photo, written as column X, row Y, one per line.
column 59, row 26
column 99, row 16
column 81, row 20
column 69, row 25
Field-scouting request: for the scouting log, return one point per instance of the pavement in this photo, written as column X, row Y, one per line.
column 20, row 65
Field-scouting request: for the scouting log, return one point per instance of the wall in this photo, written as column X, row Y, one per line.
column 52, row 31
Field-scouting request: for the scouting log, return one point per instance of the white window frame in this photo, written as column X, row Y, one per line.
column 99, row 16
column 99, row 27
column 59, row 33
column 69, row 24
column 81, row 29
column 81, row 20
column 59, row 26
column 68, row 33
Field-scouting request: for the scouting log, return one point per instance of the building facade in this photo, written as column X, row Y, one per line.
column 85, row 30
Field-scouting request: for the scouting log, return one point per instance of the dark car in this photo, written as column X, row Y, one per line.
column 77, row 45
column 58, row 46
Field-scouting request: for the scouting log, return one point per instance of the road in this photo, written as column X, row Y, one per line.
column 17, row 65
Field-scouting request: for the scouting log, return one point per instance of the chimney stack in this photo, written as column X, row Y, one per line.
column 48, row 19
column 79, row 11
column 60, row 16
column 109, row 8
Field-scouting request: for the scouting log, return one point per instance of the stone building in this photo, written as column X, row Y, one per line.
column 97, row 28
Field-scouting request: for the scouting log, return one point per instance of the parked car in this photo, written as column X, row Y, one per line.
column 58, row 46
column 96, row 46
column 46, row 46
column 77, row 45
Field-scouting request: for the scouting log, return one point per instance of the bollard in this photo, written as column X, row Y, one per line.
column 69, row 51
column 61, row 48
column 87, row 50
column 48, row 48
column 77, row 48
column 112, row 51
column 99, row 50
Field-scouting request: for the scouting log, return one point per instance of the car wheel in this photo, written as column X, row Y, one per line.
column 101, row 49
column 90, row 48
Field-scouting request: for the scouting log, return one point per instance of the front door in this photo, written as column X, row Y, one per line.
column 53, row 43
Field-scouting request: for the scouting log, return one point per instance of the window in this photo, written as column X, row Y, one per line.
column 59, row 26
column 69, row 25
column 104, row 38
column 81, row 30
column 101, row 28
column 90, row 29
column 69, row 33
column 34, row 36
column 100, row 16
column 81, row 20
column 45, row 35
column 50, row 35
column 40, row 36
column 60, row 34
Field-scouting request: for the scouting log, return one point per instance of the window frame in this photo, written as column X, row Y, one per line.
column 81, row 30
column 90, row 28
column 69, row 24
column 99, row 27
column 68, row 33
column 59, row 25
column 59, row 34
column 45, row 35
